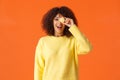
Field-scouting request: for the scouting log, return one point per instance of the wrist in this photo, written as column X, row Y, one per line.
column 72, row 25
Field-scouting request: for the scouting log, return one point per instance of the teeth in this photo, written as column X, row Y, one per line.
column 59, row 27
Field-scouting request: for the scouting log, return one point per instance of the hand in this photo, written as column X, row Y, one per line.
column 67, row 21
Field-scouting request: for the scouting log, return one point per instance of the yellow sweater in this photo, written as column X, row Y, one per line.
column 56, row 57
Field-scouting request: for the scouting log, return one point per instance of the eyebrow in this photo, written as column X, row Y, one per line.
column 57, row 17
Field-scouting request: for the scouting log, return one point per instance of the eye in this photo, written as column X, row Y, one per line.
column 56, row 19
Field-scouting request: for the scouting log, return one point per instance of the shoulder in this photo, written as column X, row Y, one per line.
column 43, row 38
column 72, row 38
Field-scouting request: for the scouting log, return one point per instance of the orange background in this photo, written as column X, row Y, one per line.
column 20, row 30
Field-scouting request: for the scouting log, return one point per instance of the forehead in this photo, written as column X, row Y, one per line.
column 59, row 15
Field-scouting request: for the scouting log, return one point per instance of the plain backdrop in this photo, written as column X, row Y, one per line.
column 20, row 30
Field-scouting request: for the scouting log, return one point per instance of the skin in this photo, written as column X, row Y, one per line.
column 60, row 26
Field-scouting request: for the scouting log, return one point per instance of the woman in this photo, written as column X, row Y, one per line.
column 56, row 56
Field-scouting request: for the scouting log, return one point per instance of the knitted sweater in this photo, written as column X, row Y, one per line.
column 56, row 58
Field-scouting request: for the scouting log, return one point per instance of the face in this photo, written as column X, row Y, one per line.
column 58, row 26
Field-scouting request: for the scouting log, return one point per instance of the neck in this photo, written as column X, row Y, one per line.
column 58, row 34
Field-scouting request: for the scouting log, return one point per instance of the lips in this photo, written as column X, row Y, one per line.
column 59, row 26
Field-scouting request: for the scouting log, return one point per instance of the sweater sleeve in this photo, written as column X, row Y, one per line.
column 83, row 45
column 39, row 62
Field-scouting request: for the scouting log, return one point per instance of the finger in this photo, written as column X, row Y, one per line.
column 69, row 21
column 67, row 24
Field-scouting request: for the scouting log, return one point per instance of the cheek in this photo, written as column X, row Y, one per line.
column 63, row 26
column 54, row 23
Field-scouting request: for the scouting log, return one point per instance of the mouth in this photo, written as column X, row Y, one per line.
column 59, row 27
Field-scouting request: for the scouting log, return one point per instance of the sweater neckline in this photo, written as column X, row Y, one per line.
column 58, row 36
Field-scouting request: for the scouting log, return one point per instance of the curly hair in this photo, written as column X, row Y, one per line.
column 47, row 21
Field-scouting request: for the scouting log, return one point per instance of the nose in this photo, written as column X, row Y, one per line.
column 59, row 23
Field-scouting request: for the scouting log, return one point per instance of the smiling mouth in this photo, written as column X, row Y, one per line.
column 59, row 27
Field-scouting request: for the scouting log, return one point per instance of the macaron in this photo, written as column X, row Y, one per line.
column 62, row 20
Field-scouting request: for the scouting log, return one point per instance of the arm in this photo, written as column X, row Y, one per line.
column 83, row 45
column 39, row 63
